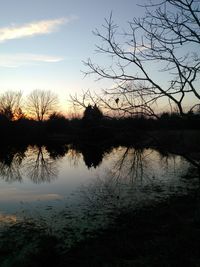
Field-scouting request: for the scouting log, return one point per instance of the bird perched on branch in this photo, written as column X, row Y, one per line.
column 117, row 100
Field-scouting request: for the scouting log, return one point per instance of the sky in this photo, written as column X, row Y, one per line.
column 43, row 43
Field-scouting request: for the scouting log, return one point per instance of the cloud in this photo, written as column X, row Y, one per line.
column 18, row 60
column 33, row 28
column 138, row 49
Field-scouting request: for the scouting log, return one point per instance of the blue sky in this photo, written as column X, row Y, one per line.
column 43, row 42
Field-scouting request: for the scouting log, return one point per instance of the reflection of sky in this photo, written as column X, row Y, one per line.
column 18, row 194
column 7, row 218
column 145, row 170
column 69, row 177
column 81, row 201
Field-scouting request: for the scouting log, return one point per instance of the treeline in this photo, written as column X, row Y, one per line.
column 92, row 126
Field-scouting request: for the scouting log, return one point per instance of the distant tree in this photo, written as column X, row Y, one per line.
column 56, row 116
column 41, row 104
column 92, row 113
column 10, row 104
column 57, row 122
column 87, row 114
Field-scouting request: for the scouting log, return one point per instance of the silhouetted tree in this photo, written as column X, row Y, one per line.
column 169, row 33
column 56, row 116
column 41, row 103
column 10, row 104
column 92, row 113
column 57, row 123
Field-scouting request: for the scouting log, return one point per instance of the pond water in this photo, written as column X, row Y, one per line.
column 87, row 186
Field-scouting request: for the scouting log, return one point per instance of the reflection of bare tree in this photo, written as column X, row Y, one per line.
column 129, row 164
column 137, row 177
column 74, row 157
column 10, row 164
column 135, row 163
column 39, row 166
column 118, row 186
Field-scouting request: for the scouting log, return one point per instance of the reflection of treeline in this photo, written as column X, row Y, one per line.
column 39, row 161
column 18, row 161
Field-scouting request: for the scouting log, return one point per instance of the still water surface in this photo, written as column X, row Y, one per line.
column 120, row 177
column 56, row 196
column 74, row 193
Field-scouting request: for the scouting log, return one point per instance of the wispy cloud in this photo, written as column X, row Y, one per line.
column 33, row 28
column 138, row 49
column 17, row 60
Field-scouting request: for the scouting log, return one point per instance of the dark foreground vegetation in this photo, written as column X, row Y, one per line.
column 165, row 235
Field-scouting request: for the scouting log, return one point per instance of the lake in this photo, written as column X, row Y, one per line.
column 88, row 182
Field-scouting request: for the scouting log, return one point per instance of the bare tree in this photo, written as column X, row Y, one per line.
column 10, row 104
column 120, row 100
column 41, row 103
column 163, row 43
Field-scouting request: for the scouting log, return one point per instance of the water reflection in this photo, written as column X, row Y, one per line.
column 39, row 162
column 8, row 218
column 127, row 179
column 136, row 177
column 39, row 166
column 57, row 151
column 10, row 162
column 129, row 163
column 92, row 154
column 33, row 162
